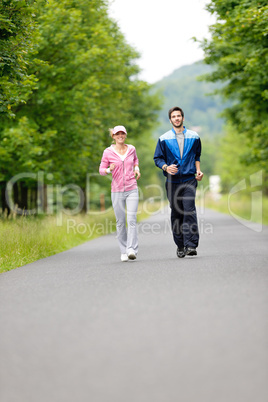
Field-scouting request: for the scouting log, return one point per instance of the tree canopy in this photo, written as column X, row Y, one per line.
column 79, row 77
column 17, row 35
column 238, row 52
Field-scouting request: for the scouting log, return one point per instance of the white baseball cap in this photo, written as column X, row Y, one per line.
column 116, row 129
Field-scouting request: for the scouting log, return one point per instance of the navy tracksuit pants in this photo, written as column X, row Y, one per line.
column 184, row 224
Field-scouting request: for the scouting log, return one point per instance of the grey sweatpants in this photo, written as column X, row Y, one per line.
column 127, row 237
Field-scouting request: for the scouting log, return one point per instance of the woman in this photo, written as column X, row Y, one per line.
column 121, row 160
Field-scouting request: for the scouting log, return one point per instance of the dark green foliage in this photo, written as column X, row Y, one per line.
column 238, row 51
column 17, row 36
column 85, row 81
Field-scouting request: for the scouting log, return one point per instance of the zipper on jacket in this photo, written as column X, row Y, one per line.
column 124, row 174
column 181, row 168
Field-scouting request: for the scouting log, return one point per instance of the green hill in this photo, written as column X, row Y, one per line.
column 182, row 88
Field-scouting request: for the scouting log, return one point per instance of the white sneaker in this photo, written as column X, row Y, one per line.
column 124, row 257
column 132, row 256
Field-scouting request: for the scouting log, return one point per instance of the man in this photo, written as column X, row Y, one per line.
column 178, row 153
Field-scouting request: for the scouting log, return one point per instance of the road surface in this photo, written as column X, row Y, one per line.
column 83, row 326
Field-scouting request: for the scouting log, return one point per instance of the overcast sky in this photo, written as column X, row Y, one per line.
column 161, row 31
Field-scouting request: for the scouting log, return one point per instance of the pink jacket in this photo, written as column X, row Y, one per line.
column 123, row 173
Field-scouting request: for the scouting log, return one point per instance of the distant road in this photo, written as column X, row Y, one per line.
column 81, row 326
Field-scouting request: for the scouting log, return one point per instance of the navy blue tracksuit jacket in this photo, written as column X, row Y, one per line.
column 167, row 152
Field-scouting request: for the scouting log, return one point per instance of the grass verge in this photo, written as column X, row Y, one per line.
column 25, row 239
column 250, row 207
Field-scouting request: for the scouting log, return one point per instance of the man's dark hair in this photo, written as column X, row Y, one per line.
column 173, row 110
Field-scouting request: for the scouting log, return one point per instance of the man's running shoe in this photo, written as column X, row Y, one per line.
column 180, row 252
column 190, row 251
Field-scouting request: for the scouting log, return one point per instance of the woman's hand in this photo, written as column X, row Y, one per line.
column 137, row 174
column 112, row 166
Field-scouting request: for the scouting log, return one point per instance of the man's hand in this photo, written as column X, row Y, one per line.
column 199, row 175
column 172, row 169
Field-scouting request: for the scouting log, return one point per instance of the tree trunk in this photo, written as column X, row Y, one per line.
column 23, row 197
column 33, row 197
column 4, row 205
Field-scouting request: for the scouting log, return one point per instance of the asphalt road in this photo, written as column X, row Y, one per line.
column 82, row 326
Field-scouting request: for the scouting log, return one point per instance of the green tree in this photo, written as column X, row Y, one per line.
column 87, row 82
column 229, row 163
column 238, row 52
column 17, row 36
